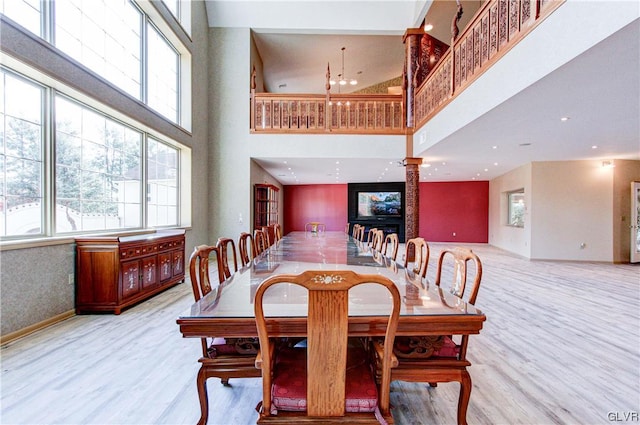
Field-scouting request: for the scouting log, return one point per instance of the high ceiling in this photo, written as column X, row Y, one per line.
column 296, row 39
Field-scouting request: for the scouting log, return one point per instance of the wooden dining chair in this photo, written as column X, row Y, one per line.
column 221, row 358
column 277, row 232
column 260, row 241
column 370, row 235
column 378, row 240
column 417, row 248
column 246, row 248
column 223, row 245
column 390, row 246
column 442, row 358
column 330, row 379
column 357, row 232
column 315, row 227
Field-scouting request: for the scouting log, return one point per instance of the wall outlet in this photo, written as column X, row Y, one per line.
column 72, row 279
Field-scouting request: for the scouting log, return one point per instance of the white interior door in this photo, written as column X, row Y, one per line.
column 635, row 222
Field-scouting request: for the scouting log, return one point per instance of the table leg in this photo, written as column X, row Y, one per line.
column 202, row 395
column 465, row 395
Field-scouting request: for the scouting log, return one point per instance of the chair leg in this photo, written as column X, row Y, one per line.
column 463, row 400
column 202, row 395
column 225, row 382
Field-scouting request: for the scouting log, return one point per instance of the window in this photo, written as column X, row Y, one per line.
column 27, row 13
column 102, row 174
column 104, row 36
column 162, row 75
column 98, row 171
column 110, row 37
column 515, row 201
column 162, row 184
column 21, row 156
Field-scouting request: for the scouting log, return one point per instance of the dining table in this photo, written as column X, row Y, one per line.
column 228, row 310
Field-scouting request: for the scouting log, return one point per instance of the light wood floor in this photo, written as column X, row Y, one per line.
column 561, row 345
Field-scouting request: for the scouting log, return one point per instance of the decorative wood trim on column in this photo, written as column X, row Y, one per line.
column 411, row 40
column 412, row 197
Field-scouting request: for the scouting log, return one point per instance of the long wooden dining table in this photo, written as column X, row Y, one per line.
column 228, row 311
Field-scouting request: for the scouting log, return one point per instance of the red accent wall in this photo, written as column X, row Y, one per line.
column 455, row 207
column 326, row 203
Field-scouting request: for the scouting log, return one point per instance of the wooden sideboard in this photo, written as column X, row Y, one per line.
column 114, row 272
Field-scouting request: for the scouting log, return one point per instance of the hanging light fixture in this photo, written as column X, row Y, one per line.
column 342, row 80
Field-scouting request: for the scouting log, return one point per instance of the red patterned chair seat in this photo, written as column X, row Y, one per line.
column 233, row 347
column 425, row 347
column 290, row 381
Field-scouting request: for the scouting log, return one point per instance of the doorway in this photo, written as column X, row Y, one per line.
column 635, row 222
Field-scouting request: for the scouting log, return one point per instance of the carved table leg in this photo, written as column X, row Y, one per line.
column 202, row 395
column 463, row 400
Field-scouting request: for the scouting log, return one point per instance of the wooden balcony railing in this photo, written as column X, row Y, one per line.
column 330, row 113
column 497, row 27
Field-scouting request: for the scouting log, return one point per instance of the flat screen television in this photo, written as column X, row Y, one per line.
column 379, row 204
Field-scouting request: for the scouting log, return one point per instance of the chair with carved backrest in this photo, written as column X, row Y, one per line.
column 330, row 379
column 390, row 246
column 246, row 248
column 419, row 249
column 223, row 245
column 315, row 227
column 221, row 358
column 260, row 241
column 370, row 235
column 439, row 358
column 358, row 232
column 378, row 240
column 277, row 232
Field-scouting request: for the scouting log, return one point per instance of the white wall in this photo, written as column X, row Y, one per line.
column 572, row 204
column 568, row 203
column 513, row 239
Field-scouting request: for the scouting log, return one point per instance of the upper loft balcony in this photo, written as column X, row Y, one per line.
column 434, row 74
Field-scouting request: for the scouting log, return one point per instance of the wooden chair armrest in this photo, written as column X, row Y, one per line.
column 258, row 362
column 379, row 351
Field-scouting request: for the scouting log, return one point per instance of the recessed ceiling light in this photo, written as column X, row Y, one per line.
column 495, row 163
column 594, row 147
column 426, row 165
column 486, row 169
column 494, row 147
column 337, row 162
column 284, row 162
column 564, row 119
column 444, row 163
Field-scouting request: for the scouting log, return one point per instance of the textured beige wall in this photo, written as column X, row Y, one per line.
column 229, row 159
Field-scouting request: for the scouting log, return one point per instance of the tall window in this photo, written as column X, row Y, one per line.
column 104, row 35
column 110, row 37
column 102, row 174
column 21, row 156
column 516, row 211
column 27, row 13
column 162, row 75
column 98, row 171
column 162, row 184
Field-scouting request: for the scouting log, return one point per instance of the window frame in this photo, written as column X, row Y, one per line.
column 49, row 231
column 511, row 213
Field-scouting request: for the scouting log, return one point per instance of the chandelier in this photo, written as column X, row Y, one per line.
column 342, row 80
